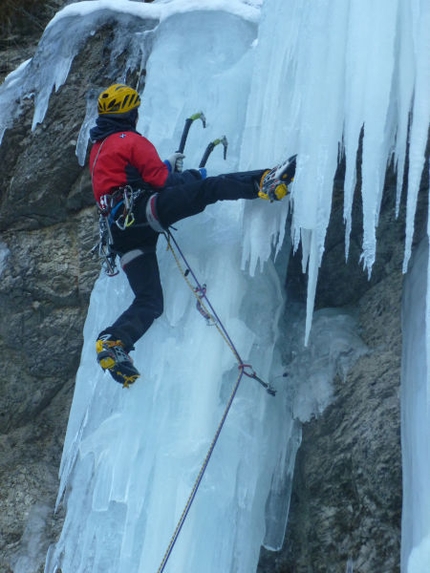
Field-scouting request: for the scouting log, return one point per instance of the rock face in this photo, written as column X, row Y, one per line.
column 347, row 493
column 48, row 226
column 346, row 504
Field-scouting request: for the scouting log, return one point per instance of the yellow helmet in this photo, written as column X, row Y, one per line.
column 118, row 98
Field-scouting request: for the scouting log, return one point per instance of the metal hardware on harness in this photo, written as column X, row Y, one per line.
column 126, row 219
column 105, row 247
column 109, row 207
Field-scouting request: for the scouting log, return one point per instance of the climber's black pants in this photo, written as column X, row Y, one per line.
column 182, row 201
column 138, row 243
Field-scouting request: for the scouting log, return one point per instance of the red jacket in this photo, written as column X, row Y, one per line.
column 125, row 158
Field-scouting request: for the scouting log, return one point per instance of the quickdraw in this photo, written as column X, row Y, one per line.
column 105, row 247
column 200, row 292
column 244, row 370
column 208, row 311
column 252, row 374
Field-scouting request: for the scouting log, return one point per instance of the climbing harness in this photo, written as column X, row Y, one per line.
column 152, row 215
column 121, row 206
column 115, row 208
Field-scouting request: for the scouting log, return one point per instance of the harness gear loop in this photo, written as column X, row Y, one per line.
column 109, row 206
column 105, row 246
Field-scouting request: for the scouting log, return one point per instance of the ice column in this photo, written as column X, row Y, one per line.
column 415, row 403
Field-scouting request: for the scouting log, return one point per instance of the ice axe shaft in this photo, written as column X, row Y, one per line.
column 188, row 123
column 211, row 147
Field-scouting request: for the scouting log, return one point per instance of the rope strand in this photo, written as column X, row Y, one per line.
column 207, row 309
column 199, row 477
column 202, row 298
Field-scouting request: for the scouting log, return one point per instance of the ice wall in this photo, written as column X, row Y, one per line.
column 312, row 79
column 325, row 75
column 131, row 457
column 415, row 390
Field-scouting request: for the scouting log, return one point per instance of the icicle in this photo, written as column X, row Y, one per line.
column 312, row 285
column 420, row 117
column 84, row 132
column 405, row 88
column 427, row 328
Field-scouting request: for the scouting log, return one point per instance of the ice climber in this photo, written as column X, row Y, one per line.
column 126, row 171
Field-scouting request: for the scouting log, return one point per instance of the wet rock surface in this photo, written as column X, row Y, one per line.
column 346, row 502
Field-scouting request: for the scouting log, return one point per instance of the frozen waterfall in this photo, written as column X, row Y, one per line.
column 276, row 77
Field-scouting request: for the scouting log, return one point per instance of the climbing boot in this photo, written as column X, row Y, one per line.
column 274, row 182
column 112, row 356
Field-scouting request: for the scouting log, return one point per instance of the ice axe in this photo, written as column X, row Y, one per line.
column 188, row 123
column 211, row 147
